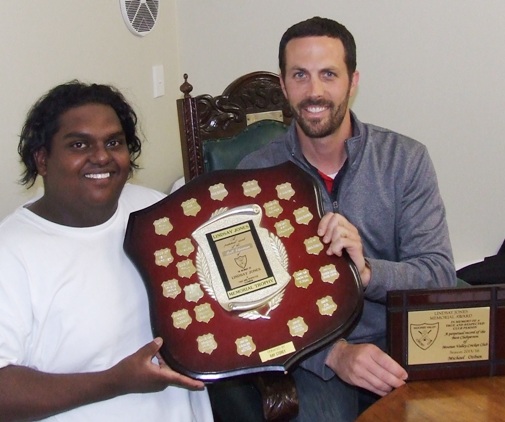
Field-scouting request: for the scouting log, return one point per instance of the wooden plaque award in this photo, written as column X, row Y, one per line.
column 448, row 333
column 237, row 278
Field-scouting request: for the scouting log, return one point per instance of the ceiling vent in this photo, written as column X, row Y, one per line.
column 140, row 15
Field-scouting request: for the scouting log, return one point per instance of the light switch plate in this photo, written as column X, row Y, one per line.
column 158, row 81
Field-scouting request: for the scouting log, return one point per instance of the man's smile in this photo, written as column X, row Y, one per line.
column 97, row 175
column 315, row 109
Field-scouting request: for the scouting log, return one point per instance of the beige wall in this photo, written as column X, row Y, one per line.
column 48, row 42
column 431, row 69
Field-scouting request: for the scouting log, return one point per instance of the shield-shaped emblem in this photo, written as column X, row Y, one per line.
column 424, row 335
column 228, row 281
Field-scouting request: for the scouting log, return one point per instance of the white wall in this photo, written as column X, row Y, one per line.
column 431, row 69
column 48, row 42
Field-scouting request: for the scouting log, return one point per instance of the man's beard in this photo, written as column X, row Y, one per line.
column 317, row 127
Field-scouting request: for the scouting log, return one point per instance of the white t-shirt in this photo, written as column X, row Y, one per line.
column 71, row 301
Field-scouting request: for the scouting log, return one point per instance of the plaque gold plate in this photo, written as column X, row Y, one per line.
column 448, row 333
column 237, row 278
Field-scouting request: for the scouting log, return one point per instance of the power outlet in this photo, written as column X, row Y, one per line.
column 158, row 81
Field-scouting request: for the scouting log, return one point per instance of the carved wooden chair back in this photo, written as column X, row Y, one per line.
column 222, row 119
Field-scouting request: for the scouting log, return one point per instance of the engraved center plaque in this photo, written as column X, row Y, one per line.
column 241, row 283
column 242, row 266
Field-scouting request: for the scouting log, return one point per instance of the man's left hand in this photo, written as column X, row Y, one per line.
column 366, row 366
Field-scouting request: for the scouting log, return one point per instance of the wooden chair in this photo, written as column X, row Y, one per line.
column 216, row 133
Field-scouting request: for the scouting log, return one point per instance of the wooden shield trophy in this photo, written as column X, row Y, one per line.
column 238, row 280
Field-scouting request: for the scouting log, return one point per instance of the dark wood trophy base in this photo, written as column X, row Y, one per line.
column 237, row 278
column 448, row 333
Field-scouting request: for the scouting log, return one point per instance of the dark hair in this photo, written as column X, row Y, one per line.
column 320, row 27
column 43, row 121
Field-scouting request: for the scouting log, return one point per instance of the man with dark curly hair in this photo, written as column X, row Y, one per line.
column 76, row 341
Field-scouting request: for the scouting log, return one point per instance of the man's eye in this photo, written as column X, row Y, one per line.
column 114, row 143
column 78, row 145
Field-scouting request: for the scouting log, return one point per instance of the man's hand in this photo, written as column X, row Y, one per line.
column 50, row 394
column 339, row 234
column 366, row 366
column 138, row 373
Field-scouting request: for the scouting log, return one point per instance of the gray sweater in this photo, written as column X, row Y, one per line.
column 390, row 193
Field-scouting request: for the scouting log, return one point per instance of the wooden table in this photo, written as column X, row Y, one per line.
column 467, row 399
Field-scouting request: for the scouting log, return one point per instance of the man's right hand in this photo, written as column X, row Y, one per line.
column 139, row 373
column 50, row 394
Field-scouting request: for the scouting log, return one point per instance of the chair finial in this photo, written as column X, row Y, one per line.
column 186, row 87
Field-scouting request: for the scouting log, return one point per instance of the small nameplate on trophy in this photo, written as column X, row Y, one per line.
column 447, row 333
column 277, row 351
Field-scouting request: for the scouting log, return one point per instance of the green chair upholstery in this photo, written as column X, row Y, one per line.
column 226, row 153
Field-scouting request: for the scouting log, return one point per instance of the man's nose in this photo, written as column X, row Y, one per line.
column 100, row 155
column 316, row 88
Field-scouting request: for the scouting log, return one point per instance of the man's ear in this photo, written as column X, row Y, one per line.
column 283, row 87
column 354, row 83
column 40, row 157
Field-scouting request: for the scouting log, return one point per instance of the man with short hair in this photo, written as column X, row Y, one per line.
column 382, row 206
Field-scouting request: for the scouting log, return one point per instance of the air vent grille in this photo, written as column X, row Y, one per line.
column 140, row 15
